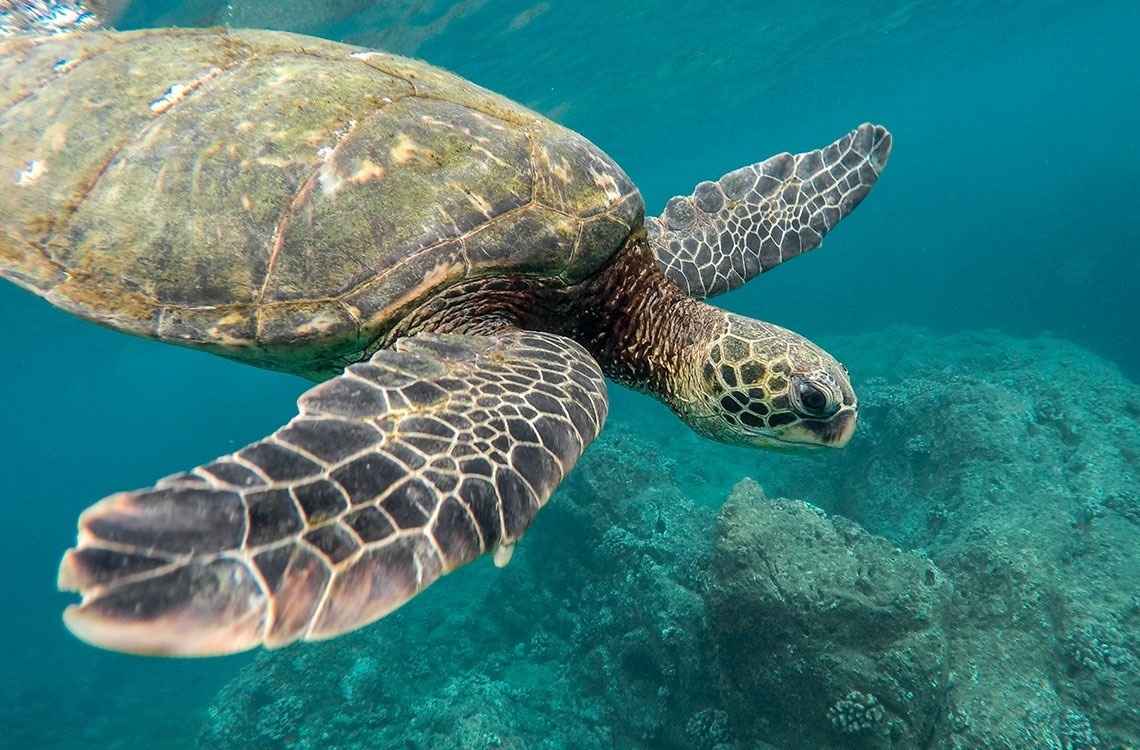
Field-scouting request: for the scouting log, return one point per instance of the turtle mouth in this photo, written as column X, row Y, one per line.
column 795, row 447
column 811, row 436
column 841, row 427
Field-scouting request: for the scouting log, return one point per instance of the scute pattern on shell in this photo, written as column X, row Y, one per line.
column 393, row 474
column 279, row 199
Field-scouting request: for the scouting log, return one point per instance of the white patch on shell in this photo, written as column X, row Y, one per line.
column 284, row 76
column 481, row 204
column 561, row 170
column 408, row 152
column 32, row 171
column 178, row 91
column 607, row 183
column 55, row 136
column 65, row 65
column 404, row 150
column 328, row 174
column 489, row 155
column 443, row 124
column 222, row 331
column 280, row 162
column 364, row 54
column 366, row 172
column 319, row 325
column 477, row 140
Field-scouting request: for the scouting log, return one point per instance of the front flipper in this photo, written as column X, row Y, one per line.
column 756, row 217
column 394, row 473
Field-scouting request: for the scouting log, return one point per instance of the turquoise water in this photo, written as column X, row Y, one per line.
column 1009, row 204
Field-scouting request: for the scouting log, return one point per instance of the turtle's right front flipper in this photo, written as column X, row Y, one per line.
column 756, row 217
column 394, row 473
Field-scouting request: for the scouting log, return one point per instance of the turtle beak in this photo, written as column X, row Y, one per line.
column 813, row 435
column 841, row 428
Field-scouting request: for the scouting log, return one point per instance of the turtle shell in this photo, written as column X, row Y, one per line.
column 279, row 199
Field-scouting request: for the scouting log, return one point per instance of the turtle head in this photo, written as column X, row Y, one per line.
column 761, row 385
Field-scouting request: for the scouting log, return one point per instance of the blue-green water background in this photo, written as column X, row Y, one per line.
column 1011, row 202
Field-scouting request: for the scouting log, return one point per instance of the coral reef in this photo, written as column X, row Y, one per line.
column 708, row 728
column 857, row 712
column 1126, row 504
column 1094, row 647
column 1076, row 732
column 964, row 578
column 812, row 616
column 1022, row 496
column 598, row 612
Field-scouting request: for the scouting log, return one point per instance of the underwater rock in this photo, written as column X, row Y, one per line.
column 632, row 617
column 592, row 637
column 822, row 629
column 1014, row 464
column 708, row 729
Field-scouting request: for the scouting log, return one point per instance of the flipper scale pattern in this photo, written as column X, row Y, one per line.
column 392, row 474
column 756, row 217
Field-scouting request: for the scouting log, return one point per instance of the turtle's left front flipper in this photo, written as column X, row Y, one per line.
column 756, row 217
column 394, row 473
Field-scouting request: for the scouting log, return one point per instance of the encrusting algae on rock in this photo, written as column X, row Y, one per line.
column 638, row 618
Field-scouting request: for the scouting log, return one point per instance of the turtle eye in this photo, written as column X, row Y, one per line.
column 814, row 400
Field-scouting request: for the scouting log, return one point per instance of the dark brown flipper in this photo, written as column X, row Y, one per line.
column 394, row 473
column 756, row 217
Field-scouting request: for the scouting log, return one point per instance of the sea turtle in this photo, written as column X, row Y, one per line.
column 459, row 272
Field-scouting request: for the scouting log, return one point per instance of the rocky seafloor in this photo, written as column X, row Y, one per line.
column 964, row 575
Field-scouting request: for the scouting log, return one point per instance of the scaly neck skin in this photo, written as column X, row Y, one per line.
column 642, row 329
